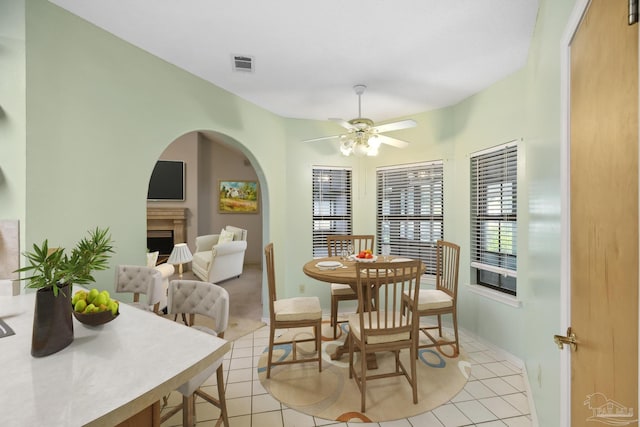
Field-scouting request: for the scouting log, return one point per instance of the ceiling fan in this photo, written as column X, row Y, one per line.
column 362, row 137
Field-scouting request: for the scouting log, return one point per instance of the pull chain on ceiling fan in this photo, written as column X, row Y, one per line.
column 362, row 137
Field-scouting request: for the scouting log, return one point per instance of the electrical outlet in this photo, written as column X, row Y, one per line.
column 301, row 289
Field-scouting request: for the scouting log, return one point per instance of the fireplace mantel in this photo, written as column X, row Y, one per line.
column 173, row 219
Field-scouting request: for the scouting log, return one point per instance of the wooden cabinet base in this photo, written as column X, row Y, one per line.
column 148, row 417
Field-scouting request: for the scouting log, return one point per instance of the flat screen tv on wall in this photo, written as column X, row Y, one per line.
column 167, row 181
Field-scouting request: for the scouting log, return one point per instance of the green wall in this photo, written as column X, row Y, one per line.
column 99, row 112
column 12, row 110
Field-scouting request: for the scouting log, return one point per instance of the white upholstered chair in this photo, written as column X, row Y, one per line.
column 286, row 313
column 191, row 297
column 214, row 262
column 139, row 280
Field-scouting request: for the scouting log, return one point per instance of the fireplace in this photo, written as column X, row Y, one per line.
column 165, row 228
column 161, row 241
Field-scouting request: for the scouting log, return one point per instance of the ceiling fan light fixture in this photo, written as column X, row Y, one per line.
column 374, row 142
column 361, row 149
column 361, row 137
column 346, row 147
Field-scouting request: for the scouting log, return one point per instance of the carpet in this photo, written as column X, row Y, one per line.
column 241, row 326
column 237, row 327
column 332, row 395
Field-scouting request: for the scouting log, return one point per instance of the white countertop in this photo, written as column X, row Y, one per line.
column 109, row 372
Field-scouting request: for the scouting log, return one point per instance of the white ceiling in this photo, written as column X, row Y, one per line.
column 414, row 55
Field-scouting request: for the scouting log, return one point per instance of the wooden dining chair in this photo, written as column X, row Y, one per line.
column 286, row 313
column 340, row 292
column 387, row 327
column 191, row 297
column 443, row 299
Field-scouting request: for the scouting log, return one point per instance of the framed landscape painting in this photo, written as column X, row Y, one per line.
column 238, row 197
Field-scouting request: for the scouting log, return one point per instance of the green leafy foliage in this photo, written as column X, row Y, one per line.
column 54, row 268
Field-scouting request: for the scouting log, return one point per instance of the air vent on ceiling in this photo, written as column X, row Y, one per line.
column 242, row 63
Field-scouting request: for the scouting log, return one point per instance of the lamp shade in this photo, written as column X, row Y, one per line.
column 180, row 254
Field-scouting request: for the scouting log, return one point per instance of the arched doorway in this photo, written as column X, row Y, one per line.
column 210, row 157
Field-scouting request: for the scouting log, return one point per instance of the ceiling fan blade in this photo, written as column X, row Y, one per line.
column 403, row 124
column 398, row 143
column 345, row 124
column 323, row 138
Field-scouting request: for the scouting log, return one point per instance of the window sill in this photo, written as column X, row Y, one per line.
column 495, row 295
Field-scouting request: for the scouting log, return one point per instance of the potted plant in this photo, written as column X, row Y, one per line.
column 52, row 272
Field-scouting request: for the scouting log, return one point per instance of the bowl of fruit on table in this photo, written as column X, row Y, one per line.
column 94, row 307
column 365, row 256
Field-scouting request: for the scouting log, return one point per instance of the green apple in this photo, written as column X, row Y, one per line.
column 101, row 299
column 79, row 295
column 106, row 294
column 90, row 309
column 113, row 306
column 80, row 305
column 93, row 293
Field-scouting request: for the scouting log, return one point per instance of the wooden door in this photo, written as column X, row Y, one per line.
column 604, row 216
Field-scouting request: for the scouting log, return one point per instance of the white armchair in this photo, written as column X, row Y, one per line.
column 214, row 262
column 166, row 270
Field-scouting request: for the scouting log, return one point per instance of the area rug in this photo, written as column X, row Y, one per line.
column 332, row 395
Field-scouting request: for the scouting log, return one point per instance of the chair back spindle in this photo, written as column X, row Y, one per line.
column 339, row 243
column 271, row 278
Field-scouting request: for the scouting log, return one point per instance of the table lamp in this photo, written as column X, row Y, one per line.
column 180, row 255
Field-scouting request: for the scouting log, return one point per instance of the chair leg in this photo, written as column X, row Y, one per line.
column 319, row 344
column 193, row 409
column 187, row 411
column 455, row 331
column 413, row 352
column 272, row 332
column 334, row 316
column 350, row 344
column 223, row 402
column 363, row 379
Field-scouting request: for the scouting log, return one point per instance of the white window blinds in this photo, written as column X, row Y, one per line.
column 494, row 192
column 410, row 210
column 331, row 206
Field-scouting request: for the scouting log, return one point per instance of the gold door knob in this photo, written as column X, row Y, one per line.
column 570, row 340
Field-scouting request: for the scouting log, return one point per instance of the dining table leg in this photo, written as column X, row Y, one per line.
column 372, row 361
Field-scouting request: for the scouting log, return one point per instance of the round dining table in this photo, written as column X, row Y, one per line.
column 344, row 274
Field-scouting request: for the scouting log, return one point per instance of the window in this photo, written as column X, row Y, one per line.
column 494, row 220
column 410, row 210
column 331, row 206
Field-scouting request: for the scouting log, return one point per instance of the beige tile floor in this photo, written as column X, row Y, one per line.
column 494, row 396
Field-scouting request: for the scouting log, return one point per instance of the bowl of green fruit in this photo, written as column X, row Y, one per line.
column 94, row 307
